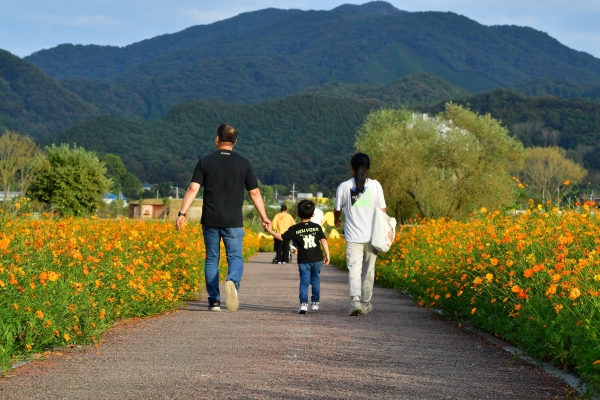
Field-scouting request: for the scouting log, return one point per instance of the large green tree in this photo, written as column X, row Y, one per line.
column 72, row 180
column 441, row 166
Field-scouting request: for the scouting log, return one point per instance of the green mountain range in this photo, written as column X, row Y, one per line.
column 276, row 53
column 33, row 103
column 298, row 85
column 308, row 138
column 303, row 139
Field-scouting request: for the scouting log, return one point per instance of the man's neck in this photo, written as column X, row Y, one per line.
column 225, row 147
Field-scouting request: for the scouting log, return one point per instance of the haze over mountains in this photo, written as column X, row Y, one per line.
column 328, row 68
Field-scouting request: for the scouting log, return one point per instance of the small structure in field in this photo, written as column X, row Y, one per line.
column 163, row 209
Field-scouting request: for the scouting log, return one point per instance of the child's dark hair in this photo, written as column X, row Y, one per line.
column 283, row 207
column 360, row 164
column 306, row 209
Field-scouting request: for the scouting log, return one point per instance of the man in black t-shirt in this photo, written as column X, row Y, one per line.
column 225, row 176
column 309, row 237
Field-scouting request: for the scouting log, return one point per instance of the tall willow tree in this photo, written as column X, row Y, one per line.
column 441, row 166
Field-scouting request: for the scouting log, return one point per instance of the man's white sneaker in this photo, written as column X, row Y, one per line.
column 314, row 306
column 232, row 296
column 367, row 308
column 356, row 308
column 303, row 308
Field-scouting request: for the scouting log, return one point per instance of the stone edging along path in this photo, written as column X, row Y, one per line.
column 266, row 350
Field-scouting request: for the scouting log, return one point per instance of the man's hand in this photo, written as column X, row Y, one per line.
column 338, row 222
column 179, row 223
column 326, row 260
column 265, row 222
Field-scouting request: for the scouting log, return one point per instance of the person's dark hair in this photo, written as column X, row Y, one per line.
column 306, row 209
column 360, row 164
column 283, row 207
column 227, row 133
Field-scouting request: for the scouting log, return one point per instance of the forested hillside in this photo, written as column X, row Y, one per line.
column 559, row 88
column 409, row 91
column 103, row 62
column 302, row 139
column 35, row 104
column 287, row 52
column 573, row 124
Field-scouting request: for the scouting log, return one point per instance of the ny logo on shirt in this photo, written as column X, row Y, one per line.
column 309, row 241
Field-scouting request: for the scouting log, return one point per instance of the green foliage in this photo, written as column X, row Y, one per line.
column 412, row 90
column 70, row 179
column 544, row 121
column 299, row 139
column 559, row 88
column 442, row 166
column 33, row 103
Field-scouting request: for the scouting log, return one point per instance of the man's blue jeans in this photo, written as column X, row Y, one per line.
column 310, row 274
column 232, row 239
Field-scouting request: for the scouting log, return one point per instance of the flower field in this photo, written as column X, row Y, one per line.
column 65, row 281
column 532, row 279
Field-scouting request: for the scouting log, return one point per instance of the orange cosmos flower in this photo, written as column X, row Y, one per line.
column 596, row 362
column 517, row 306
column 39, row 314
column 528, row 273
column 567, row 182
column 67, row 337
column 473, row 310
column 557, row 308
column 574, row 293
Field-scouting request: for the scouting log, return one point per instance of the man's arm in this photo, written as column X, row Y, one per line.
column 326, row 248
column 257, row 200
column 336, row 217
column 188, row 199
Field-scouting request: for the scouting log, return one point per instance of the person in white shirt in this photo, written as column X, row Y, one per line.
column 317, row 217
column 357, row 198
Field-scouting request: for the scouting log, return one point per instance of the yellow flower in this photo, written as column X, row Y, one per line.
column 597, row 278
column 483, row 210
column 489, row 277
column 67, row 337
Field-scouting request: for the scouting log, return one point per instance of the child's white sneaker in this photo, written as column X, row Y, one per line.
column 314, row 306
column 303, row 308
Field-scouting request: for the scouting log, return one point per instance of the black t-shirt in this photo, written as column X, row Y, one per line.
column 225, row 175
column 307, row 236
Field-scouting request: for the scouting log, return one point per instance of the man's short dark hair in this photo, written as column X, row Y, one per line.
column 283, row 207
column 306, row 209
column 227, row 133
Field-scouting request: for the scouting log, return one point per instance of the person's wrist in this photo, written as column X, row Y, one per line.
column 180, row 214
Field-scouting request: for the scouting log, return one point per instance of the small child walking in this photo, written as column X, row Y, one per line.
column 308, row 236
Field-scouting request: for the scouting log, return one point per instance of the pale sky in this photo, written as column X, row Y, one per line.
column 30, row 25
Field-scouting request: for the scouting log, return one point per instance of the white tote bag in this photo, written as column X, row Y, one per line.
column 384, row 230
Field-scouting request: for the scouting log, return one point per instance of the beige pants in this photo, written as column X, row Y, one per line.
column 361, row 258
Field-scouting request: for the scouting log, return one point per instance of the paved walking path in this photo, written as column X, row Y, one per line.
column 266, row 350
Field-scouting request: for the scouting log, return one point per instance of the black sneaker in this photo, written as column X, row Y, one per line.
column 214, row 305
